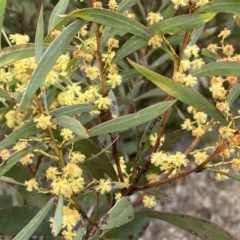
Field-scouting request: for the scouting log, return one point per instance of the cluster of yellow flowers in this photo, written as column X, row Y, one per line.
column 184, row 3
column 70, row 219
column 197, row 126
column 167, row 161
column 27, row 159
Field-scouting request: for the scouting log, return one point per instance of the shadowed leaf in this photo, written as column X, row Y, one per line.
column 181, row 92
column 198, row 227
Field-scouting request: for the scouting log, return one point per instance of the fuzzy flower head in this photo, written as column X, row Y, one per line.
column 18, row 38
column 222, row 177
column 67, row 134
column 114, row 80
column 190, row 81
column 97, row 4
column 153, row 18
column 179, row 3
column 43, row 121
column 179, row 159
column 72, row 170
column 224, row 33
column 26, row 159
column 112, row 43
column 212, row 48
column 77, row 157
column 153, row 138
column 152, row 177
column 70, row 218
column 4, row 154
column 236, row 164
column 149, row 201
column 52, row 173
column 191, row 51
column 104, row 186
column 92, row 72
column 112, row 4
column 200, row 156
column 31, row 184
column 103, row 103
column 155, row 41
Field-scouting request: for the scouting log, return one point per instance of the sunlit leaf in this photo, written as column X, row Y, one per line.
column 126, row 4
column 181, row 23
column 39, row 36
column 234, row 94
column 31, row 227
column 198, row 227
column 209, row 55
column 72, row 124
column 219, row 69
column 10, row 180
column 113, row 19
column 72, row 110
column 181, row 92
column 121, row 213
column 2, row 10
column 129, row 47
column 228, row 6
column 58, row 217
column 132, row 230
column 48, row 60
column 131, row 120
column 4, row 94
column 55, row 17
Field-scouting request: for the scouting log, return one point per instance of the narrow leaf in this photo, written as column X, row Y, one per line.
column 228, row 6
column 14, row 219
column 113, row 19
column 59, row 26
column 126, row 4
column 209, row 55
column 132, row 230
column 30, row 228
column 39, row 36
column 11, row 54
column 59, row 9
column 121, row 213
column 72, row 110
column 15, row 158
column 72, row 124
column 131, row 120
column 22, row 132
column 58, row 217
column 234, row 94
column 33, row 198
column 198, row 227
column 48, row 60
column 219, row 69
column 10, row 180
column 4, row 94
column 2, row 10
column 80, row 234
column 129, row 47
column 181, row 92
column 181, row 23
